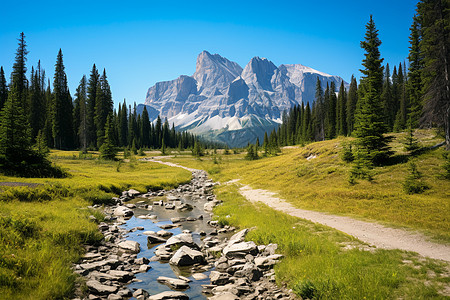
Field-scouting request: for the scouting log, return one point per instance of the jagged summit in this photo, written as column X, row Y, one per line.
column 225, row 102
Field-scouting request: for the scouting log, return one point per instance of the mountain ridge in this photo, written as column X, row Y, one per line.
column 221, row 97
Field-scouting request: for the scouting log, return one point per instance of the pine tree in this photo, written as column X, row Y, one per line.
column 3, row 88
column 371, row 144
column 320, row 112
column 145, row 128
column 91, row 100
column 103, row 107
column 123, row 125
column 41, row 145
column 18, row 76
column 62, row 126
column 15, row 133
column 400, row 119
column 434, row 16
column 415, row 85
column 307, row 131
column 387, row 100
column 108, row 150
column 341, row 110
column 83, row 124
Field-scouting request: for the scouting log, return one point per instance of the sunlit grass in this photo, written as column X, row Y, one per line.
column 314, row 177
column 42, row 229
column 316, row 265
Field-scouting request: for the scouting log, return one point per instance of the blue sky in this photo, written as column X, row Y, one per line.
column 143, row 42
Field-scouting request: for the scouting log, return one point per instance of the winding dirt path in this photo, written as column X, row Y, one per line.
column 371, row 233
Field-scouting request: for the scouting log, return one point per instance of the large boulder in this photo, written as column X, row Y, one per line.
column 218, row 278
column 129, row 246
column 240, row 249
column 182, row 239
column 154, row 239
column 186, row 256
column 123, row 211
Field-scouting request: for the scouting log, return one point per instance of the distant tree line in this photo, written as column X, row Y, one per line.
column 412, row 96
column 36, row 115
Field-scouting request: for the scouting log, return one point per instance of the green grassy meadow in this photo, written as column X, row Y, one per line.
column 42, row 229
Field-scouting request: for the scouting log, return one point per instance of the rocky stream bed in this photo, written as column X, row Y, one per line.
column 164, row 245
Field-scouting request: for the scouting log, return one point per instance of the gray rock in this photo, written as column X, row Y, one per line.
column 100, row 289
column 123, row 211
column 218, row 278
column 155, row 239
column 164, row 233
column 199, row 276
column 123, row 276
column 173, row 283
column 186, row 256
column 238, row 237
column 133, row 193
column 129, row 246
column 170, row 295
column 182, row 239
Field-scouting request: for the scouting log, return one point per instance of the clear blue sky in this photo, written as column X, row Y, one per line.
column 143, row 42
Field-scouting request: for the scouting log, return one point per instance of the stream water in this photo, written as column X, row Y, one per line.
column 147, row 281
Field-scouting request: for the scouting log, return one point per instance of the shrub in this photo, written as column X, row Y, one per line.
column 346, row 152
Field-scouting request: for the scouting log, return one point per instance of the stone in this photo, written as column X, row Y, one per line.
column 186, row 256
column 114, row 297
column 169, row 295
column 133, row 193
column 199, row 276
column 177, row 220
column 164, row 233
column 238, row 237
column 218, row 278
column 141, row 261
column 129, row 246
column 240, row 249
column 100, row 289
column 155, row 239
column 144, row 268
column 169, row 206
column 167, row 226
column 173, row 283
column 123, row 211
column 182, row 239
column 123, row 276
column 130, row 205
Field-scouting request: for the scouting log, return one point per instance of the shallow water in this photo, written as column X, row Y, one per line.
column 163, row 268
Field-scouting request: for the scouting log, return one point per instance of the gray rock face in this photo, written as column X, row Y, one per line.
column 220, row 96
column 186, row 256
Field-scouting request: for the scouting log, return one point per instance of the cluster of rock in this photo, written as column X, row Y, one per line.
column 110, row 267
column 240, row 269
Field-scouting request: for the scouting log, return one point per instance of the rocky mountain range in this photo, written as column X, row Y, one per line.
column 223, row 102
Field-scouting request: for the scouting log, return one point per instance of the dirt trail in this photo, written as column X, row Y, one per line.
column 371, row 233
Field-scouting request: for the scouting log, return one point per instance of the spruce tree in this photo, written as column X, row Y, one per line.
column 145, row 128
column 434, row 16
column 341, row 111
column 320, row 112
column 62, row 126
column 415, row 85
column 103, row 107
column 387, row 100
column 108, row 150
column 91, row 100
column 400, row 119
column 3, row 88
column 18, row 76
column 123, row 125
column 83, row 123
column 372, row 145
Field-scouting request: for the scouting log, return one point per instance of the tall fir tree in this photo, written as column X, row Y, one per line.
column 3, row 88
column 320, row 111
column 372, row 145
column 103, row 107
column 83, row 123
column 434, row 17
column 91, row 100
column 387, row 100
column 145, row 128
column 19, row 74
column 415, row 85
column 62, row 109
column 341, row 111
column 352, row 100
column 123, row 125
column 400, row 119
column 108, row 150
